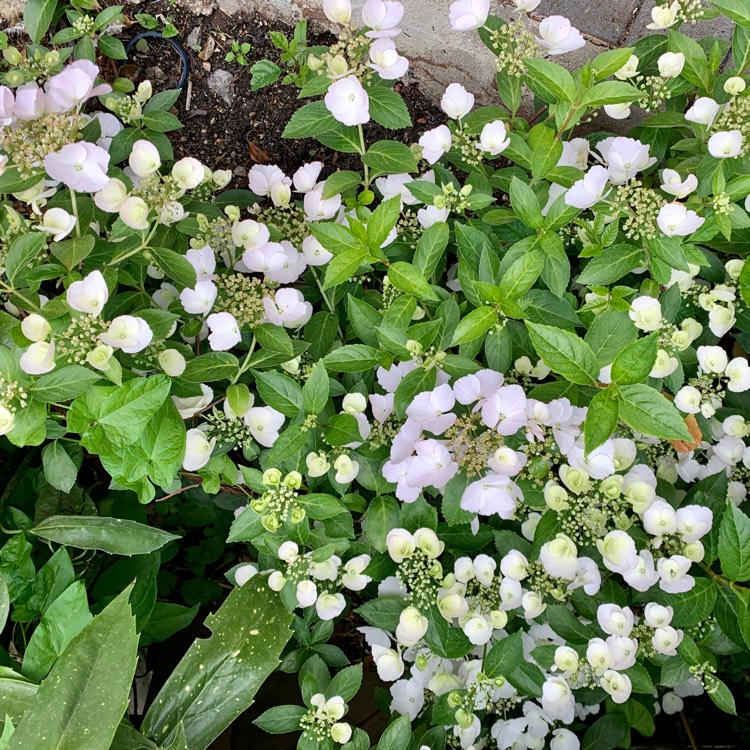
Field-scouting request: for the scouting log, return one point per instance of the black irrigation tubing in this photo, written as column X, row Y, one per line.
column 173, row 43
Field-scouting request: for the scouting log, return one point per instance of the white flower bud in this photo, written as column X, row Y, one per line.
column 172, row 362
column 566, row 659
column 35, row 327
column 317, row 464
column 411, row 627
column 354, row 403
column 144, row 158
column 400, row 544
column 100, row 356
column 38, row 358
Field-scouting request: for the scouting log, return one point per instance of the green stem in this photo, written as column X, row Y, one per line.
column 362, row 151
column 245, row 362
column 74, row 206
column 138, row 249
column 11, row 292
column 328, row 302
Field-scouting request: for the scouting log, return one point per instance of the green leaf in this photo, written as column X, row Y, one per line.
column 415, row 382
column 390, row 157
column 59, row 469
column 611, row 265
column 85, row 696
column 722, row 696
column 504, row 656
column 431, row 248
column 279, row 392
column 474, row 325
column 160, row 122
column 340, row 182
column 634, row 363
column 734, row 544
column 315, row 390
column 289, row 443
column 264, row 73
column 312, row 119
column 648, row 411
column 735, row 10
column 549, row 81
column 520, row 277
column 37, row 17
column 382, row 220
column 346, row 683
column 383, row 612
column 609, row 333
column 343, row 267
column 606, row 733
column 4, row 601
column 409, row 279
column 397, row 735
column 611, row 92
column 320, row 506
column 219, row 676
column 64, row 619
column 167, row 619
column 335, row 238
column 120, row 413
column 63, row 384
column 352, row 358
column 444, row 639
column 112, row 47
column 525, row 203
column 24, row 249
column 601, row 419
column 564, row 353
column 387, row 108
column 115, row 536
column 568, row 626
column 280, row 719
column 211, row 367
column 72, row 251
column 342, row 429
column 175, row 266
column 382, row 516
column 546, row 150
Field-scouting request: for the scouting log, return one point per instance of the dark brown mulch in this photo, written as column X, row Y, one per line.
column 249, row 131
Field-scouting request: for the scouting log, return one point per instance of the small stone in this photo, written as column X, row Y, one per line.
column 221, row 82
column 194, row 38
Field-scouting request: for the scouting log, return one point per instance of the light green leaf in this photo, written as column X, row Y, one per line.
column 550, row 81
column 37, row 17
column 264, row 73
column 382, row 516
column 474, row 325
column 352, row 358
column 390, row 157
column 407, row 278
column 611, row 265
column 210, row 367
column 648, row 411
column 564, row 353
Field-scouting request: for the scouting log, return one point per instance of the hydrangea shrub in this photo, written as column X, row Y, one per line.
column 486, row 395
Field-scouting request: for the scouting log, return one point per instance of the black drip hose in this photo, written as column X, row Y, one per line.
column 173, row 43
